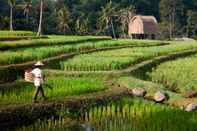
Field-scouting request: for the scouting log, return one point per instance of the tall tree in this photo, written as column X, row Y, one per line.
column 192, row 24
column 12, row 3
column 125, row 15
column 27, row 7
column 171, row 12
column 108, row 14
column 63, row 19
column 82, row 25
column 40, row 20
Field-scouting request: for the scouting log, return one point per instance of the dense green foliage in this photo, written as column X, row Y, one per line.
column 100, row 16
column 179, row 75
column 60, row 87
column 120, row 58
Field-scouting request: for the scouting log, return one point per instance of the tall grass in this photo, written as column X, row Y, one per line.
column 120, row 58
column 124, row 115
column 139, row 115
column 49, row 41
column 60, row 87
column 28, row 54
column 178, row 75
column 7, row 34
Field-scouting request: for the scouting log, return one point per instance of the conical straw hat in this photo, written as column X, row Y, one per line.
column 39, row 63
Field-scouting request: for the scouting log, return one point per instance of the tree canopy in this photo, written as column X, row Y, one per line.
column 99, row 17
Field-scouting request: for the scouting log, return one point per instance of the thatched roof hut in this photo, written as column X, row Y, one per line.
column 142, row 26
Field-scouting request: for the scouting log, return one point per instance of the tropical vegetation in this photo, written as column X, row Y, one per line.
column 107, row 17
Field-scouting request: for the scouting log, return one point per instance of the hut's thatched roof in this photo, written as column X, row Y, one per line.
column 143, row 25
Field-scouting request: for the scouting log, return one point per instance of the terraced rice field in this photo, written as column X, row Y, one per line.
column 173, row 78
column 125, row 114
column 179, row 75
column 57, row 46
column 7, row 34
column 120, row 58
column 56, row 88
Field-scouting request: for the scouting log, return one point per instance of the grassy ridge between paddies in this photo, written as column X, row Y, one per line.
column 29, row 54
column 120, row 58
column 7, row 34
column 22, row 92
column 179, row 75
column 48, row 41
column 123, row 115
column 150, row 87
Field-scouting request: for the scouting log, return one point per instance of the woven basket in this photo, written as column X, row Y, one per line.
column 29, row 77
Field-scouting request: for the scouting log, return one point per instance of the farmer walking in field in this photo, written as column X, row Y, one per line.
column 38, row 80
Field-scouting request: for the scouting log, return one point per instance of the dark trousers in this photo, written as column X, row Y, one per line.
column 39, row 89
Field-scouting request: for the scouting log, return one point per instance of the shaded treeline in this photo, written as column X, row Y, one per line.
column 96, row 17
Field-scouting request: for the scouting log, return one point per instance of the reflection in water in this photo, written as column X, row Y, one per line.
column 123, row 115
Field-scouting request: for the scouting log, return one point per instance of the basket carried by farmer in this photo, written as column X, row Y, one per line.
column 29, row 77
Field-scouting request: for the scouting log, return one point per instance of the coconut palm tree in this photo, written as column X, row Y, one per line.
column 12, row 3
column 125, row 15
column 107, row 15
column 63, row 19
column 40, row 20
column 82, row 24
column 27, row 7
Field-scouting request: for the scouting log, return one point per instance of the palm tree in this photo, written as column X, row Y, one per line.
column 40, row 20
column 12, row 3
column 63, row 19
column 107, row 15
column 125, row 15
column 82, row 24
column 27, row 7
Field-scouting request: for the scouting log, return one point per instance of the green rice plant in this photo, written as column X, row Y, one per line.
column 178, row 75
column 123, row 115
column 7, row 34
column 136, row 114
column 60, row 87
column 48, row 41
column 8, row 75
column 120, row 58
column 29, row 54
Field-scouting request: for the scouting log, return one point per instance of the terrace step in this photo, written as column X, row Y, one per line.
column 133, row 68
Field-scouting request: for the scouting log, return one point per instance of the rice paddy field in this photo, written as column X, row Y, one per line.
column 55, row 88
column 114, row 113
column 126, row 114
column 7, row 34
column 120, row 58
column 178, row 76
column 57, row 46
